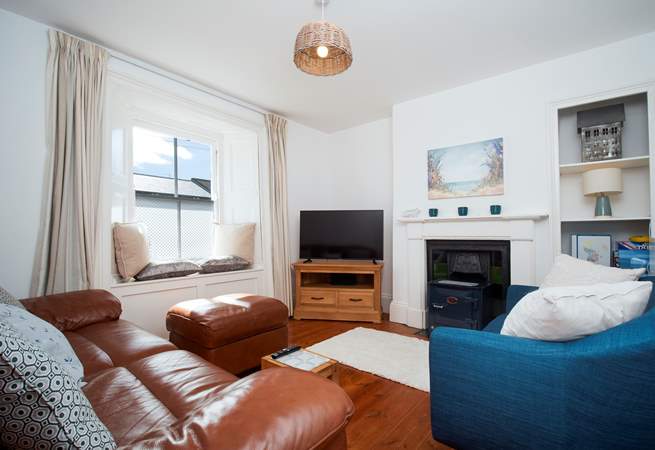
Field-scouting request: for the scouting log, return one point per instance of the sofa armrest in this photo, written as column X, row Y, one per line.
column 275, row 408
column 72, row 310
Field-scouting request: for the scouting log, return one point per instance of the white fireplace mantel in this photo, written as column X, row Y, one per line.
column 410, row 259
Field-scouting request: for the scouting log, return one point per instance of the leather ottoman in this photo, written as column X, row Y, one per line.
column 231, row 331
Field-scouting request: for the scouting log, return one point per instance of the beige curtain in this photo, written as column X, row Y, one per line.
column 277, row 164
column 67, row 251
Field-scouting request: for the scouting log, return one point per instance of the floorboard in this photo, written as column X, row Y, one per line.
column 388, row 415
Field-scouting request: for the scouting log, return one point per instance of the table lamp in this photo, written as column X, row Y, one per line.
column 601, row 182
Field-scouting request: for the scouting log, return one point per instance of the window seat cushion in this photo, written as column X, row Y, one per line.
column 172, row 269
column 224, row 264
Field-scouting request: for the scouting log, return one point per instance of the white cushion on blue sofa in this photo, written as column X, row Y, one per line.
column 567, row 313
column 570, row 271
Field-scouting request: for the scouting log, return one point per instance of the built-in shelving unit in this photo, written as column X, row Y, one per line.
column 572, row 210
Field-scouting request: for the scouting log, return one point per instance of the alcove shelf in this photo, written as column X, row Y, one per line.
column 622, row 163
column 604, row 219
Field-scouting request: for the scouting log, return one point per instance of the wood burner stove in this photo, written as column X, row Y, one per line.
column 467, row 281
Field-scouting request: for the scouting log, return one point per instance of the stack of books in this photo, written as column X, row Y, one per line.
column 633, row 255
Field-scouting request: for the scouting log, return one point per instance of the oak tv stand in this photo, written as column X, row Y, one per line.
column 319, row 294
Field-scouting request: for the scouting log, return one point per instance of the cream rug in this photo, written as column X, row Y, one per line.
column 399, row 358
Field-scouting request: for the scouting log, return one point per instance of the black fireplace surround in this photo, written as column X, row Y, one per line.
column 467, row 282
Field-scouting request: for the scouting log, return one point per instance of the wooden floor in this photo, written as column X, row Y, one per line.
column 387, row 415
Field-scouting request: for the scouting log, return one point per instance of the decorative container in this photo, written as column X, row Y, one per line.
column 495, row 210
column 434, row 212
column 463, row 210
column 601, row 130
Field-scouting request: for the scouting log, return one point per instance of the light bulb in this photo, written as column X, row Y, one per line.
column 322, row 51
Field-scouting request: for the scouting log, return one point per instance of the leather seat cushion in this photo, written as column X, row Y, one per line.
column 277, row 408
column 226, row 319
column 108, row 344
column 153, row 393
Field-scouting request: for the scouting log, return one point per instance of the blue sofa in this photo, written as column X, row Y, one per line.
column 501, row 392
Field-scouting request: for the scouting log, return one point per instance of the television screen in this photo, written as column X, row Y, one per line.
column 341, row 234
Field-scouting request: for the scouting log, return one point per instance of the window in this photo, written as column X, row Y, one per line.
column 172, row 180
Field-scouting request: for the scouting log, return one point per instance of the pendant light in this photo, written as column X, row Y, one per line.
column 322, row 48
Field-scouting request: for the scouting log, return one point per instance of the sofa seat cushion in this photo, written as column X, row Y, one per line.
column 278, row 408
column 153, row 393
column 115, row 343
column 218, row 321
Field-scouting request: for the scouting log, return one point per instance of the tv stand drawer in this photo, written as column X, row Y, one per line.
column 318, row 297
column 356, row 299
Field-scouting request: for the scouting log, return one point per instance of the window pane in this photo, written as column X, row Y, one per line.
column 196, row 229
column 152, row 153
column 160, row 217
column 194, row 165
column 154, row 167
column 193, row 160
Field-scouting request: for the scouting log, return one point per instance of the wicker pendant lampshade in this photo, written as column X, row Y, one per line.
column 322, row 48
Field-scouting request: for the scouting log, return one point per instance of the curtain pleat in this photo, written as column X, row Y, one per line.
column 68, row 239
column 277, row 161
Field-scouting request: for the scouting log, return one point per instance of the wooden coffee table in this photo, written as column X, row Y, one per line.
column 327, row 370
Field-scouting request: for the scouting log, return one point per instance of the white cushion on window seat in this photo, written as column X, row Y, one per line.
column 235, row 239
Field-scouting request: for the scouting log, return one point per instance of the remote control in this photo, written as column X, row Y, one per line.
column 285, row 351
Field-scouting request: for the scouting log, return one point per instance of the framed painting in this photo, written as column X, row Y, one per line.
column 595, row 248
column 468, row 170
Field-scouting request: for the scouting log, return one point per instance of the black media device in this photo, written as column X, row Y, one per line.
column 285, row 351
column 351, row 234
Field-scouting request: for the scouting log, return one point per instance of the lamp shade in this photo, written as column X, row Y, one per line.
column 602, row 181
column 332, row 40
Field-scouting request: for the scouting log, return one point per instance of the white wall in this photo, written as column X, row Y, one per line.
column 362, row 168
column 23, row 50
column 512, row 106
column 350, row 169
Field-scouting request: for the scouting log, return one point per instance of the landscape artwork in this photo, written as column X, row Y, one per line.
column 468, row 170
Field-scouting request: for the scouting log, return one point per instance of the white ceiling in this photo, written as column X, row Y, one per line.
column 402, row 49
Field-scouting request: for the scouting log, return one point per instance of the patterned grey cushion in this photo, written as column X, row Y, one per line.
column 161, row 270
column 44, row 336
column 224, row 264
column 40, row 404
column 8, row 299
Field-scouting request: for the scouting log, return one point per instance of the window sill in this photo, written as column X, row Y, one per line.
column 191, row 279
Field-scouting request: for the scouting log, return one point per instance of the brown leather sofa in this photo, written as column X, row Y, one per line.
column 151, row 395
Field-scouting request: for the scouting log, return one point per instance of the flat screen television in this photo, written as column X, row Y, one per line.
column 352, row 234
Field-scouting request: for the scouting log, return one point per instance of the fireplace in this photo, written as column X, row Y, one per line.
column 467, row 282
